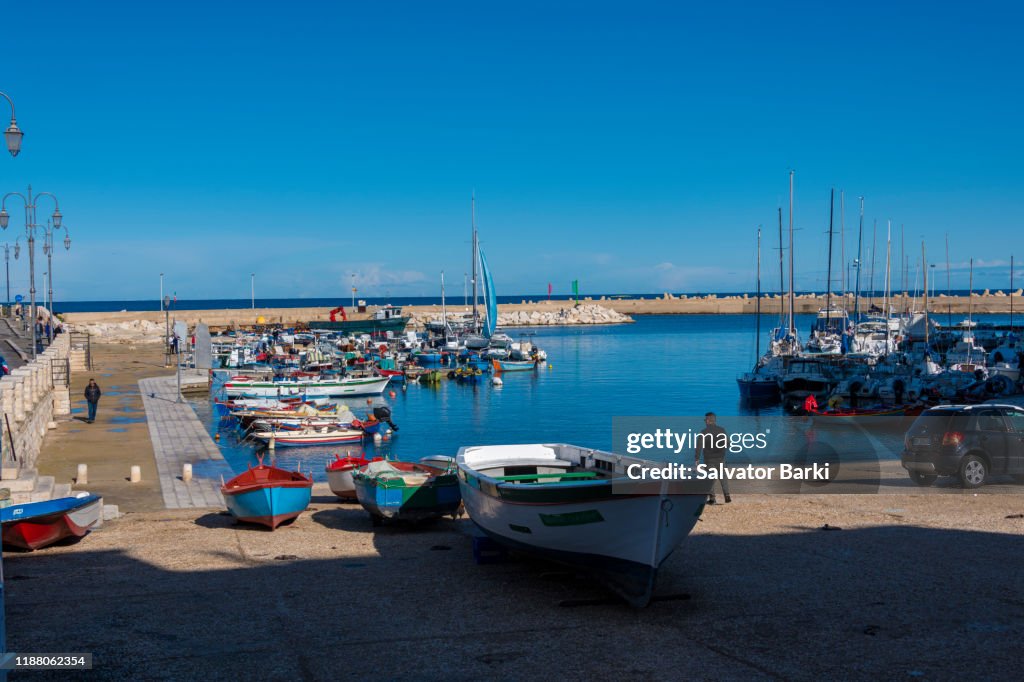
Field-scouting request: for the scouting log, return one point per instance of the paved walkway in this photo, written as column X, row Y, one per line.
column 179, row 437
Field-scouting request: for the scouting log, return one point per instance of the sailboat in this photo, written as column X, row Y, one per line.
column 761, row 383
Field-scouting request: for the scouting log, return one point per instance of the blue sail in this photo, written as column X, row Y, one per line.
column 490, row 297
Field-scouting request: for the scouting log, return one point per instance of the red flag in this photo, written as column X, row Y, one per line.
column 549, row 291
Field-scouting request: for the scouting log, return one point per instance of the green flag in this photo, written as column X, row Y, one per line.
column 576, row 289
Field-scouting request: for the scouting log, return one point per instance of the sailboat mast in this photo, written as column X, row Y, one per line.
column 888, row 281
column 1011, row 294
column 828, row 277
column 476, row 257
column 792, row 329
column 782, row 274
column 949, row 287
column 444, row 311
column 842, row 241
column 874, row 244
column 757, row 343
column 860, row 263
column 970, row 294
column 924, row 269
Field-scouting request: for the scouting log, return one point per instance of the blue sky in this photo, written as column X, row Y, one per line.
column 634, row 146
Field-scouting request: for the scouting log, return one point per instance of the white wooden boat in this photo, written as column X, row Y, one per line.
column 321, row 388
column 577, row 506
column 323, row 436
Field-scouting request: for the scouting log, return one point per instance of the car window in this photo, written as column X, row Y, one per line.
column 1016, row 420
column 990, row 420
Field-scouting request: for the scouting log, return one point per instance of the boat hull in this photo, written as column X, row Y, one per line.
column 270, row 506
column 324, row 389
column 437, row 498
column 620, row 539
column 372, row 327
column 40, row 524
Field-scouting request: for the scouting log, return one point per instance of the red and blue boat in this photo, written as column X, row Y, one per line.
column 339, row 474
column 267, row 495
column 35, row 525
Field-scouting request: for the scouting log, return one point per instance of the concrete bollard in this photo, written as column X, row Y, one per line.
column 136, row 474
column 186, row 472
column 83, row 475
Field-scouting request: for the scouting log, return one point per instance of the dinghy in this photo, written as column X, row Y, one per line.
column 267, row 495
column 339, row 474
column 406, row 490
column 578, row 507
column 34, row 525
column 322, row 436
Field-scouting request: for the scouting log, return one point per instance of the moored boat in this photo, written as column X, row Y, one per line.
column 578, row 507
column 412, row 491
column 307, row 436
column 326, row 388
column 267, row 495
column 34, row 525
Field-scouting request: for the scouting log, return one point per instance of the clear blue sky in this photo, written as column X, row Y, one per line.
column 635, row 146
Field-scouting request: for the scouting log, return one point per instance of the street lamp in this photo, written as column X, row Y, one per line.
column 48, row 250
column 353, row 292
column 161, row 292
column 7, row 265
column 252, row 289
column 30, row 225
column 13, row 134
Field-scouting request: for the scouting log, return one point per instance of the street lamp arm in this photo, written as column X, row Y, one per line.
column 3, row 202
column 11, row 102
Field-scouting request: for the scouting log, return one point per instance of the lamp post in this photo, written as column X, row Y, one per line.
column 161, row 292
column 13, row 134
column 353, row 292
column 252, row 289
column 48, row 250
column 7, row 265
column 30, row 225
column 167, row 330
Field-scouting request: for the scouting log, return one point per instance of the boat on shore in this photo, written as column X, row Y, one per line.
column 410, row 491
column 578, row 507
column 339, row 474
column 35, row 525
column 267, row 495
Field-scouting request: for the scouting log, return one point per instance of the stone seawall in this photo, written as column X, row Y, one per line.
column 31, row 399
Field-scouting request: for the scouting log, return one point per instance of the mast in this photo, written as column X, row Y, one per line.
column 874, row 242
column 970, row 296
column 792, row 329
column 1011, row 293
column 924, row 268
column 782, row 271
column 860, row 264
column 757, row 343
column 903, row 264
column 949, row 287
column 476, row 257
column 828, row 277
column 444, row 311
column 842, row 241
column 888, row 282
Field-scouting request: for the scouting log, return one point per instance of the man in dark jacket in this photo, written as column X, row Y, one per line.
column 712, row 444
column 92, row 397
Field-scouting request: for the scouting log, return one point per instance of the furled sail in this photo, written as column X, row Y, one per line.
column 491, row 299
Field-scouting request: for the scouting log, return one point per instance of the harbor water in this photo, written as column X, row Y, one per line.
column 681, row 365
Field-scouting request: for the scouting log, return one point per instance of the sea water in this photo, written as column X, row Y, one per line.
column 673, row 365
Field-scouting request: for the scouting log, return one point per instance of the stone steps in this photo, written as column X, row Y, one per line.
column 44, row 489
column 24, row 483
column 61, row 490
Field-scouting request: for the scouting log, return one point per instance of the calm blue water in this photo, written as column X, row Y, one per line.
column 329, row 302
column 660, row 365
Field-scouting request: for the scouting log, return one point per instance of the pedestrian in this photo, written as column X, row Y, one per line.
column 92, row 397
column 712, row 442
column 39, row 334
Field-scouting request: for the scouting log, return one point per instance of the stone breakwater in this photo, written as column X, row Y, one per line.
column 565, row 315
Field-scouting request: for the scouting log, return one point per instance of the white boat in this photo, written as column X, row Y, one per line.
column 577, row 506
column 320, row 388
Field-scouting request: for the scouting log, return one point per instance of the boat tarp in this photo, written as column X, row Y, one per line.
column 491, row 322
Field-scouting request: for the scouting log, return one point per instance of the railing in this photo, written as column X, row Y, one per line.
column 82, row 341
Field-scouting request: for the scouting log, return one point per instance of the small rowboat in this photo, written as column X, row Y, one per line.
column 339, row 474
column 267, row 495
column 513, row 365
column 406, row 490
column 324, row 436
column 39, row 524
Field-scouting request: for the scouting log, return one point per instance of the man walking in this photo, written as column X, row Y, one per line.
column 712, row 442
column 92, row 397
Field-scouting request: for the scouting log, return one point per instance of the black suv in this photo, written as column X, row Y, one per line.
column 967, row 441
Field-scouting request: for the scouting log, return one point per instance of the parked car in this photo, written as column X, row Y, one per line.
column 971, row 442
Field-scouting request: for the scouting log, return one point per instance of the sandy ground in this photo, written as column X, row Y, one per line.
column 118, row 438
column 910, row 587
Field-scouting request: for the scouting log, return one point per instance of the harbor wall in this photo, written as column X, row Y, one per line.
column 32, row 397
column 667, row 304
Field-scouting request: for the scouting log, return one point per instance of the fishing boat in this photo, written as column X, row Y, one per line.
column 514, row 365
column 325, row 388
column 761, row 383
column 412, row 491
column 339, row 475
column 578, row 506
column 34, row 525
column 385, row 319
column 323, row 436
column 267, row 495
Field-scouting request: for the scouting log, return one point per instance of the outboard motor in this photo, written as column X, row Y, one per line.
column 383, row 413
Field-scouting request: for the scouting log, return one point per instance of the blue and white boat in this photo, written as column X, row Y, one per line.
column 267, row 495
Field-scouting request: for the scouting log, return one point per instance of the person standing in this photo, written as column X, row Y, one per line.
column 712, row 443
column 92, row 397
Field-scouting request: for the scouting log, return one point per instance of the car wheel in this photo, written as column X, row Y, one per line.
column 973, row 471
column 922, row 479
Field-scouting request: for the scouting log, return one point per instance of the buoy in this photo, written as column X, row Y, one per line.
column 83, row 475
column 549, row 365
column 216, row 436
column 392, row 394
column 497, row 381
column 186, row 472
column 405, row 387
column 271, row 445
column 136, row 474
column 377, row 438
